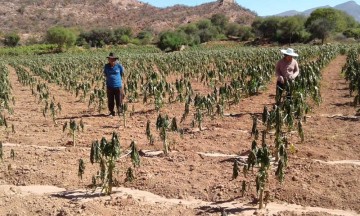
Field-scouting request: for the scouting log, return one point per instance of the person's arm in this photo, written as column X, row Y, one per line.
column 104, row 71
column 122, row 71
column 279, row 76
column 277, row 68
column 296, row 71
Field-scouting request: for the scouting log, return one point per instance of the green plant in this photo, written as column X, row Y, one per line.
column 243, row 188
column 351, row 70
column 81, row 169
column 61, row 36
column 162, row 124
column 124, row 109
column 129, row 175
column 149, row 136
column 11, row 39
column 158, row 100
column 1, row 151
column 254, row 130
column 12, row 154
column 235, row 169
column 135, row 158
column 199, row 118
column 106, row 154
column 263, row 158
column 54, row 110
column 73, row 128
column 174, row 126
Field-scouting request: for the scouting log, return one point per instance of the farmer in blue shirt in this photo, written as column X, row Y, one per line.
column 114, row 72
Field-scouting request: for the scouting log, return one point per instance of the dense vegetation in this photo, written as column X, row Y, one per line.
column 322, row 24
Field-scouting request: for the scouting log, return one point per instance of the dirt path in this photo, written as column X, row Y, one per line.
column 144, row 197
column 332, row 138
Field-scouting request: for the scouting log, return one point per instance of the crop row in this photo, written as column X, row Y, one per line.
column 351, row 70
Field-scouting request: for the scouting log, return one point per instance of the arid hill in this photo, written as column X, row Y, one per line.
column 30, row 16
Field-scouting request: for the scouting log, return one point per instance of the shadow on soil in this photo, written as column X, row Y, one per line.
column 83, row 116
column 347, row 118
column 343, row 104
column 142, row 112
column 76, row 195
column 238, row 115
column 211, row 210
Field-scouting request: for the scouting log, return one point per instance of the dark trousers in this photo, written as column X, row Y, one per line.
column 114, row 94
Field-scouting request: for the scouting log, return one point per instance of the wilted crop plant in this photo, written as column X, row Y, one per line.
column 73, row 128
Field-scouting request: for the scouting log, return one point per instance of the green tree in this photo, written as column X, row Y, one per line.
column 204, row 24
column 171, row 40
column 220, row 21
column 145, row 36
column 208, row 34
column 256, row 26
column 207, row 31
column 61, row 36
column 267, row 27
column 232, row 29
column 244, row 33
column 190, row 29
column 321, row 28
column 11, row 39
column 122, row 35
column 192, row 34
column 291, row 28
column 352, row 33
column 97, row 37
column 338, row 19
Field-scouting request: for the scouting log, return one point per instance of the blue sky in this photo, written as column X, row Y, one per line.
column 261, row 7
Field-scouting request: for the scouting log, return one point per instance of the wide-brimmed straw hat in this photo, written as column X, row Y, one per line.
column 112, row 56
column 289, row 52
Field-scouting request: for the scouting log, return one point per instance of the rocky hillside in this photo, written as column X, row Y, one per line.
column 29, row 16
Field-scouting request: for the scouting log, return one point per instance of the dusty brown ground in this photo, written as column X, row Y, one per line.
column 43, row 158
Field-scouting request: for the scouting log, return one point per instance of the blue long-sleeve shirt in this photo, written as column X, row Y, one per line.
column 113, row 75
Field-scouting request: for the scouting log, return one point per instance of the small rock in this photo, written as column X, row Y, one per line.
column 294, row 178
column 220, row 187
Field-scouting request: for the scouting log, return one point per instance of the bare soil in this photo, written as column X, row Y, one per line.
column 323, row 175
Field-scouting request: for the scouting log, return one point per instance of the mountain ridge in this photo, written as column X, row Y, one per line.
column 29, row 16
column 350, row 7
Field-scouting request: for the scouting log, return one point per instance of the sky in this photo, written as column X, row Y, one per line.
column 261, row 7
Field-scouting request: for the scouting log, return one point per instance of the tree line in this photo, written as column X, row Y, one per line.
column 321, row 24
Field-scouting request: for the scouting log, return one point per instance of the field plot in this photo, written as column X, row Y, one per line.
column 215, row 96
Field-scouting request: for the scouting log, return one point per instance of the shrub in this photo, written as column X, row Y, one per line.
column 171, row 41
column 11, row 39
column 61, row 36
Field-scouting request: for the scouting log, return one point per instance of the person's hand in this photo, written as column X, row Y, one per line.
column 281, row 79
column 292, row 77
